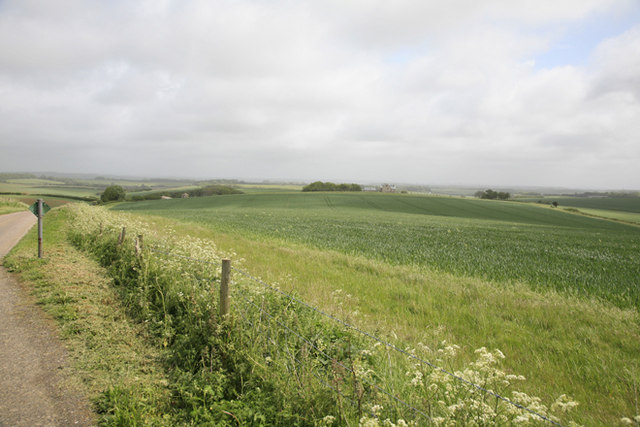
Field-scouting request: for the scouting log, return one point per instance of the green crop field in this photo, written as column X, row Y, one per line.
column 557, row 291
column 267, row 188
column 36, row 187
column 624, row 209
column 622, row 204
column 630, row 217
column 89, row 189
column 34, row 181
column 499, row 241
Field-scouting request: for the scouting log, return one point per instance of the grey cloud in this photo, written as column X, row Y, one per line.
column 408, row 91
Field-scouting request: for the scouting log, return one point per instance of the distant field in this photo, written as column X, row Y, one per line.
column 630, row 217
column 615, row 208
column 34, row 181
column 88, row 188
column 51, row 201
column 622, row 204
column 186, row 188
column 500, row 241
column 267, row 188
column 39, row 188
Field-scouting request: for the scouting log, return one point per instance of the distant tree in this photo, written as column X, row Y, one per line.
column 554, row 204
column 492, row 195
column 330, row 186
column 112, row 193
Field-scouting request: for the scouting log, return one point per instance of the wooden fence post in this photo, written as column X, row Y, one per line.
column 40, row 215
column 121, row 237
column 224, row 287
column 139, row 245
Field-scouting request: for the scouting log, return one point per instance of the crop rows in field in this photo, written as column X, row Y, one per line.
column 622, row 204
column 494, row 240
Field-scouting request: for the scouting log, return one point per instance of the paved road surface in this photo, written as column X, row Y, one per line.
column 31, row 356
column 13, row 227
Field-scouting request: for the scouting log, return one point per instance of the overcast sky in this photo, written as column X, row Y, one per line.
column 496, row 92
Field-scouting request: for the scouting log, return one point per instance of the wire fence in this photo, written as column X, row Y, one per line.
column 250, row 303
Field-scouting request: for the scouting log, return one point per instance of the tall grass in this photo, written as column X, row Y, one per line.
column 10, row 205
column 275, row 362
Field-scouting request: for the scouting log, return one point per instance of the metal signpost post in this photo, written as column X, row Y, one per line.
column 39, row 208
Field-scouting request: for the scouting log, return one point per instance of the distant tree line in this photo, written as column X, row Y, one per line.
column 214, row 190
column 11, row 175
column 621, row 194
column 330, row 186
column 209, row 190
column 493, row 195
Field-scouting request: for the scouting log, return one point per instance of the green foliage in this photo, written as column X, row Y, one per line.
column 209, row 190
column 112, row 193
column 120, row 406
column 330, row 186
column 493, row 195
column 215, row 190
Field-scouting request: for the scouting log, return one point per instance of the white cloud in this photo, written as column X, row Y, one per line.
column 408, row 91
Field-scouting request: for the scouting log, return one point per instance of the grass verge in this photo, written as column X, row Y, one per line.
column 586, row 348
column 175, row 364
column 111, row 358
column 10, row 205
column 275, row 362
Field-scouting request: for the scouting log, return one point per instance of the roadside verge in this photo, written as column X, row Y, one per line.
column 107, row 357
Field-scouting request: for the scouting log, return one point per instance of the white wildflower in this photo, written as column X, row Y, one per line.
column 376, row 409
column 328, row 420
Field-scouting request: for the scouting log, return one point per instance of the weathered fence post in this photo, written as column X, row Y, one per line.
column 139, row 245
column 121, row 237
column 224, row 287
column 40, row 215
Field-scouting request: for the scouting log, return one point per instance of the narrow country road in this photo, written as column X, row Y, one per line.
column 32, row 359
column 12, row 228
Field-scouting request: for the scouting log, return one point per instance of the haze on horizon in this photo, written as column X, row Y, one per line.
column 500, row 93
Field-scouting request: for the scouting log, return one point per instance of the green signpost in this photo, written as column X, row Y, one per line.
column 39, row 208
column 34, row 208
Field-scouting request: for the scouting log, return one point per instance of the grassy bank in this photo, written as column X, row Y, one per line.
column 10, row 205
column 273, row 362
column 561, row 344
column 565, row 337
column 111, row 359
column 193, row 368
